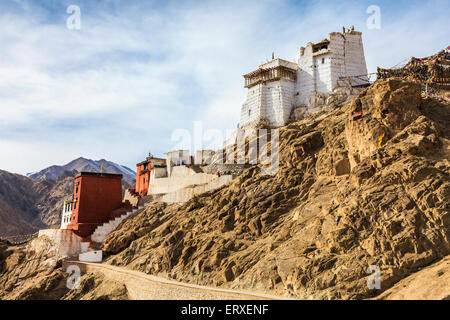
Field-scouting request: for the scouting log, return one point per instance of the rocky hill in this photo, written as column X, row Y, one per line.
column 366, row 184
column 82, row 164
column 351, row 192
column 28, row 204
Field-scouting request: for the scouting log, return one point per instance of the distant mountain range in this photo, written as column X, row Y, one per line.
column 82, row 164
column 33, row 202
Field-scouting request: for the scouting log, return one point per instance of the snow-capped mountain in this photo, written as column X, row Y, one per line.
column 82, row 164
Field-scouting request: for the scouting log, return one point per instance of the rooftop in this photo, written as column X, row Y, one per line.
column 273, row 64
column 149, row 159
column 99, row 174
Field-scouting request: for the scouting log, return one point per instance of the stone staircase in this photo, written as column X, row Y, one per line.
column 132, row 197
column 102, row 231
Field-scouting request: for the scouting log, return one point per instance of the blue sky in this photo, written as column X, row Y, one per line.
column 138, row 70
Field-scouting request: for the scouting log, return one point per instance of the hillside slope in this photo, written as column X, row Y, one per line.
column 27, row 204
column 337, row 205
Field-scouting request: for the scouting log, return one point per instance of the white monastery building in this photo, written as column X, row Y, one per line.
column 279, row 86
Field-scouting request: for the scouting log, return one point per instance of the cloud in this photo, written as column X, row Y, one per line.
column 136, row 71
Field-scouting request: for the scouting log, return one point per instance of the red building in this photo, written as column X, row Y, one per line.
column 96, row 195
column 143, row 170
column 143, row 177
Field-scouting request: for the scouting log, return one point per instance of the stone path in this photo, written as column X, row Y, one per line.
column 142, row 286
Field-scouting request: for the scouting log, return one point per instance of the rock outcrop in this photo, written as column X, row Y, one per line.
column 431, row 283
column 340, row 202
column 35, row 273
column 31, row 273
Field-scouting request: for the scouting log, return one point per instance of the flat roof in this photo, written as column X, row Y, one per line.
column 149, row 160
column 99, row 174
column 275, row 63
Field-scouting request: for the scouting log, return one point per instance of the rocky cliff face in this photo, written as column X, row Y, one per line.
column 27, row 205
column 342, row 200
column 34, row 273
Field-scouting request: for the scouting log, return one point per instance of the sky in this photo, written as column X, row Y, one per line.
column 138, row 75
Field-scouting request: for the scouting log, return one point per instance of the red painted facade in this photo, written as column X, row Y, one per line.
column 143, row 177
column 96, row 195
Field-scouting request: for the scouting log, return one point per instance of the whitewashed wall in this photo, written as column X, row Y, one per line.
column 272, row 101
column 65, row 242
column 344, row 57
column 253, row 103
column 305, row 76
column 279, row 96
column 66, row 215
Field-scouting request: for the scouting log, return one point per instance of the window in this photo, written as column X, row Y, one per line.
column 249, row 112
column 323, row 60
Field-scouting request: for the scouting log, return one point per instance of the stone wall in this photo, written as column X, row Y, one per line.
column 270, row 103
column 183, row 195
column 65, row 242
column 235, row 169
column 279, row 96
column 182, row 176
column 251, row 109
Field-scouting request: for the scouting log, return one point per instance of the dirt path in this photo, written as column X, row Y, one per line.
column 142, row 286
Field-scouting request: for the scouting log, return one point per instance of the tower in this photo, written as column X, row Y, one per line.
column 326, row 65
column 270, row 94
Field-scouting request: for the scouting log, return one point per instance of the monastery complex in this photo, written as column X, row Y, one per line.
column 278, row 91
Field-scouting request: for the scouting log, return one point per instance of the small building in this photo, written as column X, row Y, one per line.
column 177, row 158
column 270, row 93
column 66, row 216
column 96, row 195
column 143, row 170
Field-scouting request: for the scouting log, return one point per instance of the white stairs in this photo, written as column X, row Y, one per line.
column 102, row 231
